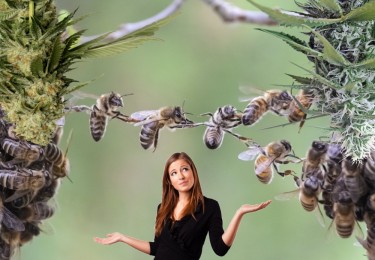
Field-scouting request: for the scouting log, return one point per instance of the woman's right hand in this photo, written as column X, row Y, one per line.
column 110, row 239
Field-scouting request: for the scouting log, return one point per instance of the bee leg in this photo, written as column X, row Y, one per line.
column 302, row 123
column 207, row 114
column 121, row 116
column 81, row 108
column 240, row 137
column 282, row 174
column 156, row 139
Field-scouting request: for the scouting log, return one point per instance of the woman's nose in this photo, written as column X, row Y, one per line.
column 181, row 175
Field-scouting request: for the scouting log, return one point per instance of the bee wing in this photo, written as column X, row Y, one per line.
column 250, row 154
column 78, row 95
column 142, row 116
column 319, row 216
column 249, row 93
column 12, row 221
column 287, row 195
column 17, row 194
column 81, row 95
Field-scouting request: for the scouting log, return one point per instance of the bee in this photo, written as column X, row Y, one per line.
column 23, row 152
column 60, row 162
column 23, row 179
column 303, row 99
column 308, row 192
column 222, row 121
column 354, row 181
column 8, row 219
column 332, row 166
column 369, row 170
column 36, row 211
column 106, row 106
column 343, row 211
column 332, row 171
column 276, row 101
column 273, row 154
column 154, row 120
column 315, row 157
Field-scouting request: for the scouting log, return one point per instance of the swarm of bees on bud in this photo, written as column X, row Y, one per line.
column 30, row 176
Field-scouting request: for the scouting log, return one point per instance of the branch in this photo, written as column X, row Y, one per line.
column 127, row 28
column 228, row 12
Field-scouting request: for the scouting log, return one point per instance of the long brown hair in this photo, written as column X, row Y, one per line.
column 170, row 195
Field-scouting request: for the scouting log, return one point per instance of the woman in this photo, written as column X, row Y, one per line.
column 184, row 217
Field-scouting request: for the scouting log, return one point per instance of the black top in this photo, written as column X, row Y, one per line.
column 184, row 239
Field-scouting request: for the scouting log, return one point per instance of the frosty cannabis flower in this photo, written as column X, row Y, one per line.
column 341, row 46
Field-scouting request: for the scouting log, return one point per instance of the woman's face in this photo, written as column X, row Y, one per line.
column 181, row 175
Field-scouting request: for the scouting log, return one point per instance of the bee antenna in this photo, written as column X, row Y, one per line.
column 68, row 141
column 183, row 104
column 69, row 178
column 127, row 95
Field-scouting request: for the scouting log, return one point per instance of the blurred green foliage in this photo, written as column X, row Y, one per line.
column 117, row 185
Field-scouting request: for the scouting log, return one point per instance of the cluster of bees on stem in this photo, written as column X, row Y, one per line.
column 344, row 188
column 30, row 176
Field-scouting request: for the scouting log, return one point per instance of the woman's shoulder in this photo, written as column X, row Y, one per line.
column 208, row 202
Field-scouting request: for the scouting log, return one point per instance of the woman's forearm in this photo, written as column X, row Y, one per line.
column 141, row 245
column 231, row 231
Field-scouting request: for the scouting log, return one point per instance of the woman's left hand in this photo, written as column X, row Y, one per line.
column 247, row 208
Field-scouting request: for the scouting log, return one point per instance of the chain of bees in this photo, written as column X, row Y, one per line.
column 30, row 174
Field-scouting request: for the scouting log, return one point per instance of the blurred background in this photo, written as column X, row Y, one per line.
column 116, row 185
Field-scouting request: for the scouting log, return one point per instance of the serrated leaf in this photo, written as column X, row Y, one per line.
column 331, row 5
column 71, row 42
column 81, row 49
column 367, row 64
column 302, row 80
column 6, row 15
column 294, row 19
column 69, row 90
column 36, row 67
column 364, row 13
column 54, row 59
column 58, row 28
column 116, row 47
column 330, row 54
column 320, row 78
column 294, row 42
column 35, row 29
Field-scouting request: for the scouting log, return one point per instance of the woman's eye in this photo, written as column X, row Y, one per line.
column 185, row 169
column 172, row 173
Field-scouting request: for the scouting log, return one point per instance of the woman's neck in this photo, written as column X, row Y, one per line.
column 184, row 198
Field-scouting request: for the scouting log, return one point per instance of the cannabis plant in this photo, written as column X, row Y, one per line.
column 36, row 52
column 340, row 43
